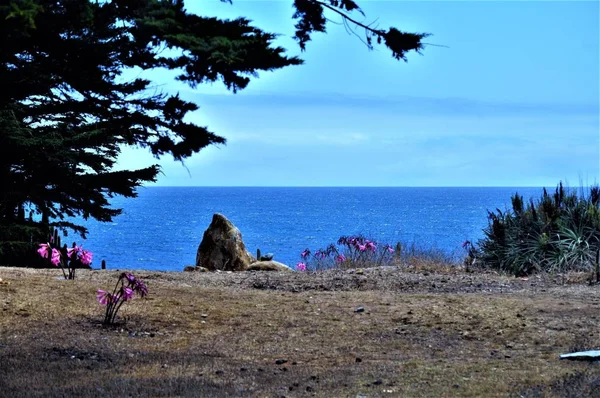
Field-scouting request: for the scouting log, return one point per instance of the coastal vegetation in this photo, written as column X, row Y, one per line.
column 558, row 232
column 357, row 251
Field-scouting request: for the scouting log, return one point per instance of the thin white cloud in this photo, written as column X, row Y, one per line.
column 343, row 139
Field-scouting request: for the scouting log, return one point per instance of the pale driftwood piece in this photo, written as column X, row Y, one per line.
column 593, row 355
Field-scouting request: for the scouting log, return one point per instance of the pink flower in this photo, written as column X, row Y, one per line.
column 43, row 250
column 55, row 257
column 305, row 253
column 371, row 246
column 103, row 297
column 389, row 248
column 320, row 254
column 301, row 267
column 72, row 250
column 340, row 258
column 127, row 293
column 86, row 257
column 129, row 276
column 362, row 248
column 140, row 287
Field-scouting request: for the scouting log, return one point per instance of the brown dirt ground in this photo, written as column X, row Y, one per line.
column 423, row 333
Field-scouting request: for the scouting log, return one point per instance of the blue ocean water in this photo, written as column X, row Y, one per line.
column 162, row 228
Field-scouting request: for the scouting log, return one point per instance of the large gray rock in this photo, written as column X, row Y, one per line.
column 222, row 247
column 268, row 266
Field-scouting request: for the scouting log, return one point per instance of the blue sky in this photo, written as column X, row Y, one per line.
column 512, row 101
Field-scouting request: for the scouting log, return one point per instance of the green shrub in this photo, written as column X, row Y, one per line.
column 559, row 232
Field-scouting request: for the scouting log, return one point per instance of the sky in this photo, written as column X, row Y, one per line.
column 508, row 97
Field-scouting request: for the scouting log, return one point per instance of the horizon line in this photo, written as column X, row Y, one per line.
column 364, row 186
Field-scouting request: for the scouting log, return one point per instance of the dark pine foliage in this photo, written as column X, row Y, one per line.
column 557, row 233
column 66, row 111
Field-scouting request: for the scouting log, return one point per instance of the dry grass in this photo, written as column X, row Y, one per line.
column 422, row 333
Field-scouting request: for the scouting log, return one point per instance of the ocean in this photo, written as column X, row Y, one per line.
column 162, row 228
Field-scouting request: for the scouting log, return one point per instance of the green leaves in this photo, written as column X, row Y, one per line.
column 311, row 18
column 401, row 42
column 559, row 232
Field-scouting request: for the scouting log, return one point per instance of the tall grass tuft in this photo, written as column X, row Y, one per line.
column 557, row 233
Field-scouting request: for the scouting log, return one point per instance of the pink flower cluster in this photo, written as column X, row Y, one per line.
column 47, row 251
column 75, row 253
column 78, row 253
column 127, row 286
column 301, row 267
column 349, row 250
column 125, row 292
column 358, row 242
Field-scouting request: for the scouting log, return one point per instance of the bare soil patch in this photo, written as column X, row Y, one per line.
column 374, row 332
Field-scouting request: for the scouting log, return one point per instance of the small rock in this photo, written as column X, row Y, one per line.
column 192, row 268
column 243, row 369
column 266, row 257
column 360, row 272
column 268, row 266
column 360, row 309
column 377, row 382
column 219, row 372
column 358, row 360
column 204, row 315
column 280, row 361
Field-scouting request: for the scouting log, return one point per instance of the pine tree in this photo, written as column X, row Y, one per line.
column 66, row 111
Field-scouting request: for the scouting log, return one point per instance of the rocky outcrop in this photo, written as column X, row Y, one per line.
column 222, row 247
column 268, row 266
